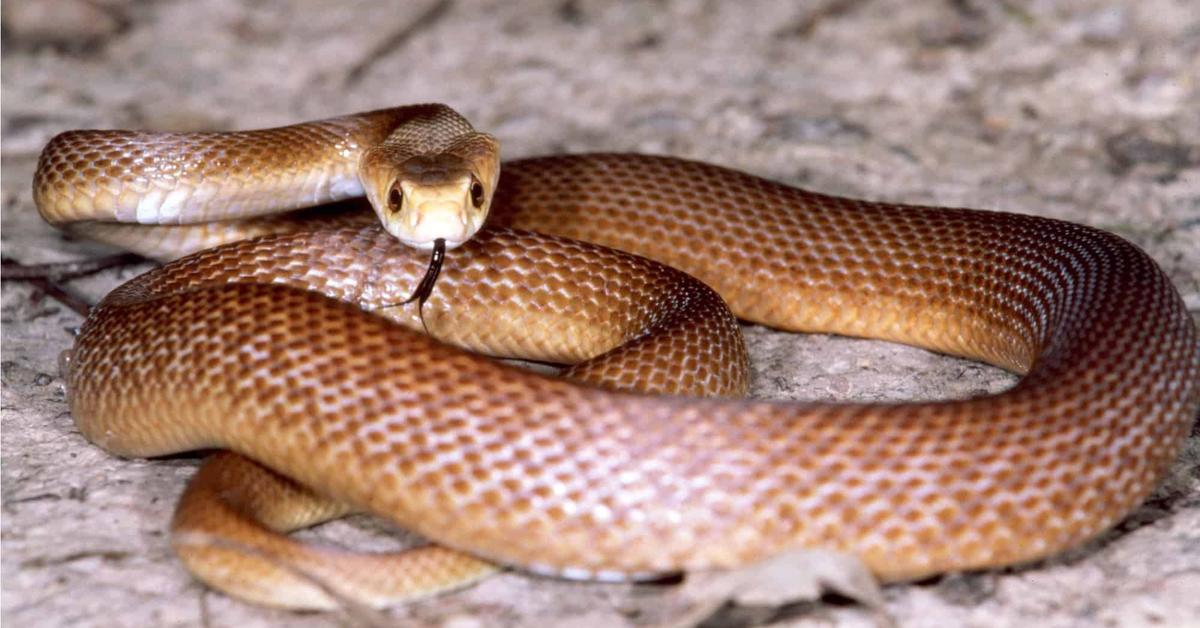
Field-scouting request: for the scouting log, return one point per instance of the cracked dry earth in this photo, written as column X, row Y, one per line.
column 1083, row 110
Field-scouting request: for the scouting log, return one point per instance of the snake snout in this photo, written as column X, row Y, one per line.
column 438, row 219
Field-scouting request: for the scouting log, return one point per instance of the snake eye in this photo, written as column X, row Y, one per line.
column 476, row 193
column 395, row 198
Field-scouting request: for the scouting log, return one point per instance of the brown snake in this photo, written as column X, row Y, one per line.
column 568, row 478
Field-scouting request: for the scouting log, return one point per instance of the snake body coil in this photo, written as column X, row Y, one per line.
column 562, row 477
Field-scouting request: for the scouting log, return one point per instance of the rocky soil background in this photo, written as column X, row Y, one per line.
column 1086, row 110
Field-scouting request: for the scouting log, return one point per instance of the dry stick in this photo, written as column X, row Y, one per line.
column 58, row 293
column 13, row 269
column 809, row 21
column 432, row 14
column 46, row 277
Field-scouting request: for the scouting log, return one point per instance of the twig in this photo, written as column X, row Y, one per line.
column 13, row 270
column 390, row 43
column 47, row 277
column 58, row 293
column 809, row 20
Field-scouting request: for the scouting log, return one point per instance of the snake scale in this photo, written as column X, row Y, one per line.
column 291, row 350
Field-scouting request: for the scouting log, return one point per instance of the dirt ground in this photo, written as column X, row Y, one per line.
column 1084, row 110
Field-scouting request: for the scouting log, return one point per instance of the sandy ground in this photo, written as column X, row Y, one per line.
column 1083, row 110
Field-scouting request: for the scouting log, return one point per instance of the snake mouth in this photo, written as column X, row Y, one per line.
column 428, row 245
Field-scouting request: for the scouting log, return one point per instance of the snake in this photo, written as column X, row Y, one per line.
column 278, row 335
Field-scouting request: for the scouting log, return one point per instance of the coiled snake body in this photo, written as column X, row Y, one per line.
column 236, row 348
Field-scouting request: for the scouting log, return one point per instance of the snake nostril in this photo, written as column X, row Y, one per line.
column 395, row 199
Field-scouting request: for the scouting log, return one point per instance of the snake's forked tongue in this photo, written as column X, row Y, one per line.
column 425, row 288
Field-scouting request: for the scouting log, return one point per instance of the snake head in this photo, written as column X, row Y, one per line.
column 425, row 197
